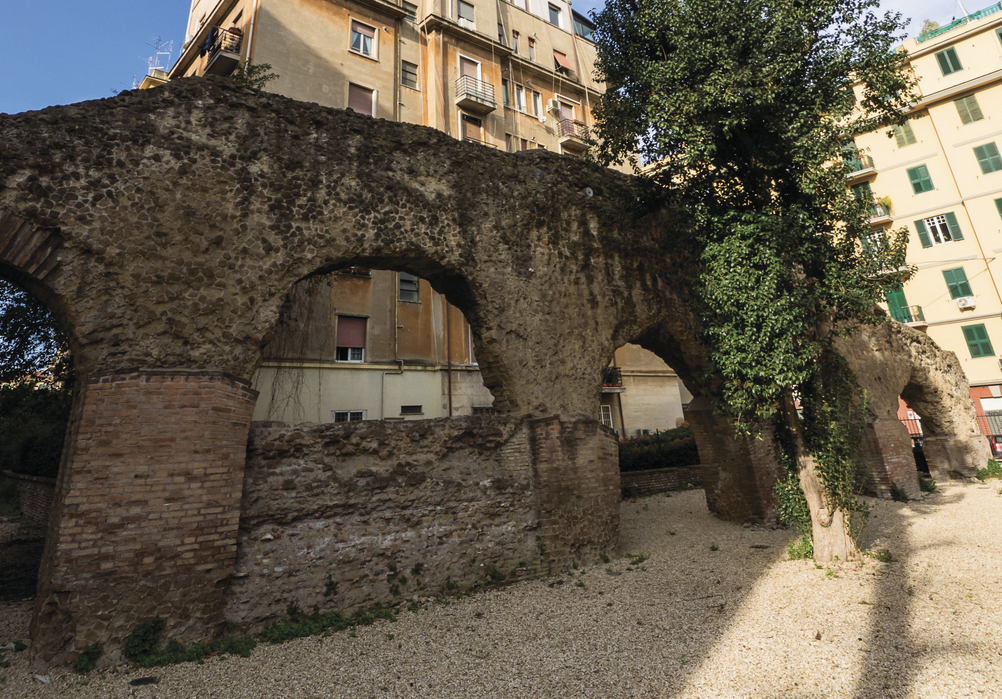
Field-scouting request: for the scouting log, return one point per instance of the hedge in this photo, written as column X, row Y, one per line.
column 668, row 449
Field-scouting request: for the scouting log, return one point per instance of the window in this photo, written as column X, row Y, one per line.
column 350, row 344
column 486, row 410
column 862, row 193
column 948, row 61
column 583, row 27
column 520, row 98
column 937, row 230
column 977, row 341
column 606, row 415
column 411, row 10
column 537, row 103
column 956, row 282
column 904, row 135
column 554, row 15
column 514, row 42
column 465, row 13
column 898, row 305
column 505, row 97
column 361, row 99
column 472, row 128
column 411, row 410
column 500, row 33
column 969, row 109
column 363, row 39
column 348, row 415
column 532, row 49
column 408, row 287
column 998, row 205
column 356, row 271
column 562, row 64
column 988, row 158
column 408, row 74
column 919, row 177
column 523, row 144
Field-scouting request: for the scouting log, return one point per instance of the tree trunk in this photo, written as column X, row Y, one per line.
column 831, row 538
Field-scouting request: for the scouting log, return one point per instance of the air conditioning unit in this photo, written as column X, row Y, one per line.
column 553, row 106
column 966, row 302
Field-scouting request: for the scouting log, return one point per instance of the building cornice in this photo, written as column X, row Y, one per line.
column 950, row 92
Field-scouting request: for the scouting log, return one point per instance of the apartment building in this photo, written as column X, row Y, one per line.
column 375, row 344
column 940, row 175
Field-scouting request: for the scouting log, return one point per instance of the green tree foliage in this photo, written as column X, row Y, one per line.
column 31, row 346
column 668, row 449
column 254, row 75
column 742, row 110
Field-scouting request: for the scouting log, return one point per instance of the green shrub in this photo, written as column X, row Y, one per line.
column 992, row 470
column 927, row 485
column 668, row 449
column 791, row 505
column 142, row 647
column 898, row 494
column 10, row 501
column 300, row 625
column 33, row 422
column 800, row 549
column 144, row 639
column 87, row 660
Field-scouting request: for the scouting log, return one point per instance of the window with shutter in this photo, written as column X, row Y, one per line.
column 919, row 177
column 903, row 135
column 977, row 341
column 411, row 10
column 937, row 230
column 898, row 305
column 998, row 205
column 348, row 415
column 969, row 109
column 949, row 62
column 408, row 287
column 988, row 158
column 465, row 12
column 956, row 282
column 360, row 99
column 408, row 74
column 606, row 411
column 350, row 343
column 363, row 39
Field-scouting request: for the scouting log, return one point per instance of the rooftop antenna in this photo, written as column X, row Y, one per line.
column 963, row 9
column 160, row 48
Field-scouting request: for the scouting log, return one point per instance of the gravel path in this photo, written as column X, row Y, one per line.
column 689, row 622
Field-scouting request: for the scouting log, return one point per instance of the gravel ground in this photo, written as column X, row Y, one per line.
column 689, row 622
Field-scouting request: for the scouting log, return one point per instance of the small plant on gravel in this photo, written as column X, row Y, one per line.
column 800, row 549
column 927, row 485
column 416, row 569
column 87, row 660
column 495, row 575
column 830, row 574
column 605, row 558
column 19, row 645
column 992, row 470
column 883, row 555
column 714, row 547
column 142, row 647
column 330, row 587
column 301, row 625
column 637, row 558
column 898, row 493
column 579, row 583
column 910, row 590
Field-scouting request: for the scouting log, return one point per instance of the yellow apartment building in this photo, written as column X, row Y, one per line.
column 375, row 344
column 940, row 175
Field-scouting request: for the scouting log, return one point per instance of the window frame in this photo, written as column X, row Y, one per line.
column 958, row 285
column 555, row 10
column 408, row 278
column 532, row 49
column 520, row 103
column 459, row 15
column 412, row 409
column 902, row 134
column 403, row 72
column 976, row 342
column 348, row 413
column 371, row 90
column 927, row 231
column 374, row 56
column 537, row 104
column 411, row 16
column 964, row 106
column 949, row 61
column 920, row 180
column 993, row 160
column 603, row 410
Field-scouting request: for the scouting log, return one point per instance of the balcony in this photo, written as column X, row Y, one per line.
column 574, row 135
column 612, row 380
column 910, row 315
column 475, row 95
column 224, row 51
column 879, row 215
column 859, row 167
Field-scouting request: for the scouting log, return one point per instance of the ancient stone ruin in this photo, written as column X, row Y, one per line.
column 165, row 229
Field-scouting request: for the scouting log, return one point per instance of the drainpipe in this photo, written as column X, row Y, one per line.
column 619, row 399
column 448, row 349
column 382, row 387
column 250, row 32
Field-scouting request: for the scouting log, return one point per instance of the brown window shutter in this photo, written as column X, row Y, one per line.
column 360, row 99
column 350, row 331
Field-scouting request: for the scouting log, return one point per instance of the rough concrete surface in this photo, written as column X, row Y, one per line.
column 688, row 622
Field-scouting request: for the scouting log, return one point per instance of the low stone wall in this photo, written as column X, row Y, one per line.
column 342, row 515
column 36, row 494
column 636, row 483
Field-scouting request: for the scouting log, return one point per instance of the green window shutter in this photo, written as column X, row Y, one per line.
column 956, row 282
column 998, row 202
column 919, row 177
column 974, row 108
column 988, row 158
column 965, row 113
column 977, row 341
column 923, row 234
column 949, row 62
column 951, row 223
column 898, row 305
column 862, row 192
column 944, row 65
column 903, row 135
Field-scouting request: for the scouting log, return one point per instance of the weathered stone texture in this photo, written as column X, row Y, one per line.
column 147, row 513
column 460, row 498
column 34, row 494
column 636, row 483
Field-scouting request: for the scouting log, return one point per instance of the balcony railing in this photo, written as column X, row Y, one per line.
column 475, row 95
column 879, row 211
column 859, row 163
column 959, row 23
column 909, row 314
column 612, row 376
column 223, row 46
column 569, row 128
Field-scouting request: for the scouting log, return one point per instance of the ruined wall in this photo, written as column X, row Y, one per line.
column 35, row 495
column 342, row 507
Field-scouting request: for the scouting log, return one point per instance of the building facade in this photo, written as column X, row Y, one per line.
column 375, row 344
column 940, row 175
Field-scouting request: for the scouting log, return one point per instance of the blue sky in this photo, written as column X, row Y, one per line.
column 63, row 51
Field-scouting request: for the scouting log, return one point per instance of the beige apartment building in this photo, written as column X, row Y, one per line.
column 940, row 175
column 375, row 344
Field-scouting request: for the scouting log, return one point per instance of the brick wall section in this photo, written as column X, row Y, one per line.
column 146, row 512
column 577, row 487
column 738, row 474
column 35, row 494
column 636, row 483
column 886, row 451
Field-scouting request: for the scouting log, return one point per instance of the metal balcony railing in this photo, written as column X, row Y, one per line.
column 959, row 23
column 573, row 129
column 469, row 88
column 859, row 163
column 879, row 211
column 227, row 40
column 612, row 376
column 909, row 314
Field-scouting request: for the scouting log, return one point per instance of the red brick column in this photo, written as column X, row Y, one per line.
column 576, row 477
column 886, row 450
column 145, row 516
column 738, row 474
